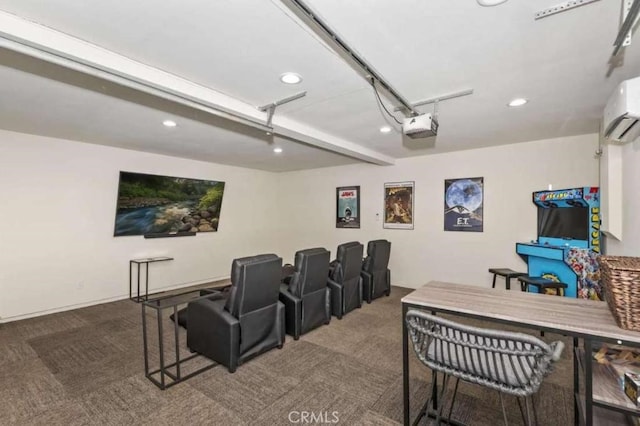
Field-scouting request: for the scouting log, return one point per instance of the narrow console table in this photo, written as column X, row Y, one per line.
column 145, row 262
column 586, row 321
column 170, row 373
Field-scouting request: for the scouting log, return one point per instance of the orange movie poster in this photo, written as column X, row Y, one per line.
column 398, row 205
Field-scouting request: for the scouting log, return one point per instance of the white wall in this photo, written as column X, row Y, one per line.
column 511, row 173
column 630, row 242
column 57, row 248
column 611, row 187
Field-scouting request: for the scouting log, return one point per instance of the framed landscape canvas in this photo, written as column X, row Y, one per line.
column 398, row 205
column 153, row 204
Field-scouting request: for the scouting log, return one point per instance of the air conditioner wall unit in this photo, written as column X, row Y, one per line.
column 622, row 113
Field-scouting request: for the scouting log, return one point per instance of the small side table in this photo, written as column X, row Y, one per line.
column 145, row 262
column 171, row 372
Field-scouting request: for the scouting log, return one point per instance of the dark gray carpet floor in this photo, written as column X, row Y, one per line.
column 85, row 367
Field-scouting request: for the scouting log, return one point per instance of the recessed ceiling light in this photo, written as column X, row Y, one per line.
column 490, row 2
column 277, row 150
column 385, row 129
column 169, row 123
column 290, row 78
column 518, row 102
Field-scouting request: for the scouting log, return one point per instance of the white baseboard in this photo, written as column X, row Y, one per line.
column 101, row 301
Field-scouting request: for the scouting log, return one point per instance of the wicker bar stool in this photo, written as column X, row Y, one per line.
column 506, row 273
column 509, row 362
column 542, row 284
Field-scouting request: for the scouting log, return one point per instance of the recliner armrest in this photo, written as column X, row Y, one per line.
column 336, row 297
column 182, row 313
column 333, row 285
column 213, row 331
column 286, row 296
column 293, row 309
column 367, row 285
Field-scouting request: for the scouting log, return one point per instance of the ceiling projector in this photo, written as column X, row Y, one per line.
column 420, row 126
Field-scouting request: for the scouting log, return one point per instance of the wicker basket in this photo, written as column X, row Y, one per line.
column 621, row 282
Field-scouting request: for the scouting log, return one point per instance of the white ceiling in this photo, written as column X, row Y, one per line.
column 240, row 48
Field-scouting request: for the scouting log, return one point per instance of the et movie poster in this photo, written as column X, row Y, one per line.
column 348, row 207
column 463, row 204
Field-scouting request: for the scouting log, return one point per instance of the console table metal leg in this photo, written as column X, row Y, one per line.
column 576, row 383
column 138, row 298
column 144, row 341
column 130, row 280
column 175, row 326
column 161, row 348
column 588, row 384
column 146, row 283
column 405, row 366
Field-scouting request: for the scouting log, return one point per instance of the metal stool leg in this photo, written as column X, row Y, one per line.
column 504, row 411
column 524, row 418
column 453, row 399
column 445, row 382
column 533, row 408
column 433, row 395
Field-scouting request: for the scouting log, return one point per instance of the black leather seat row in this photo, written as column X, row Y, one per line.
column 310, row 298
column 254, row 315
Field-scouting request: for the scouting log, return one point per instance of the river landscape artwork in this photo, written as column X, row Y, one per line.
column 153, row 204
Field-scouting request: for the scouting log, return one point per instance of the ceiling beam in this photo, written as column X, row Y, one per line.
column 631, row 16
column 300, row 132
column 332, row 39
column 44, row 43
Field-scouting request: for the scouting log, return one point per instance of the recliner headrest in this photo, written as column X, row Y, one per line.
column 255, row 283
column 312, row 269
column 378, row 252
column 350, row 258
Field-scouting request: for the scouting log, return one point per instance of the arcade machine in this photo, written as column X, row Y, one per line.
column 568, row 241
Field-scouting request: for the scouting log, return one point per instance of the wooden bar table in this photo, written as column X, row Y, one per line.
column 588, row 321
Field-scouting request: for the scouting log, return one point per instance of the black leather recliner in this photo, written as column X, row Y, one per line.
column 248, row 322
column 345, row 281
column 376, row 277
column 306, row 297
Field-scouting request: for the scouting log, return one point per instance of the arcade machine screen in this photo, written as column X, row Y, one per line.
column 568, row 223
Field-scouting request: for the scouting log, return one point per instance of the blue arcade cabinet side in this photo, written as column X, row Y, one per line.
column 568, row 241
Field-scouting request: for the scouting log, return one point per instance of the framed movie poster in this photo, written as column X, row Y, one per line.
column 348, row 207
column 398, row 205
column 463, row 204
